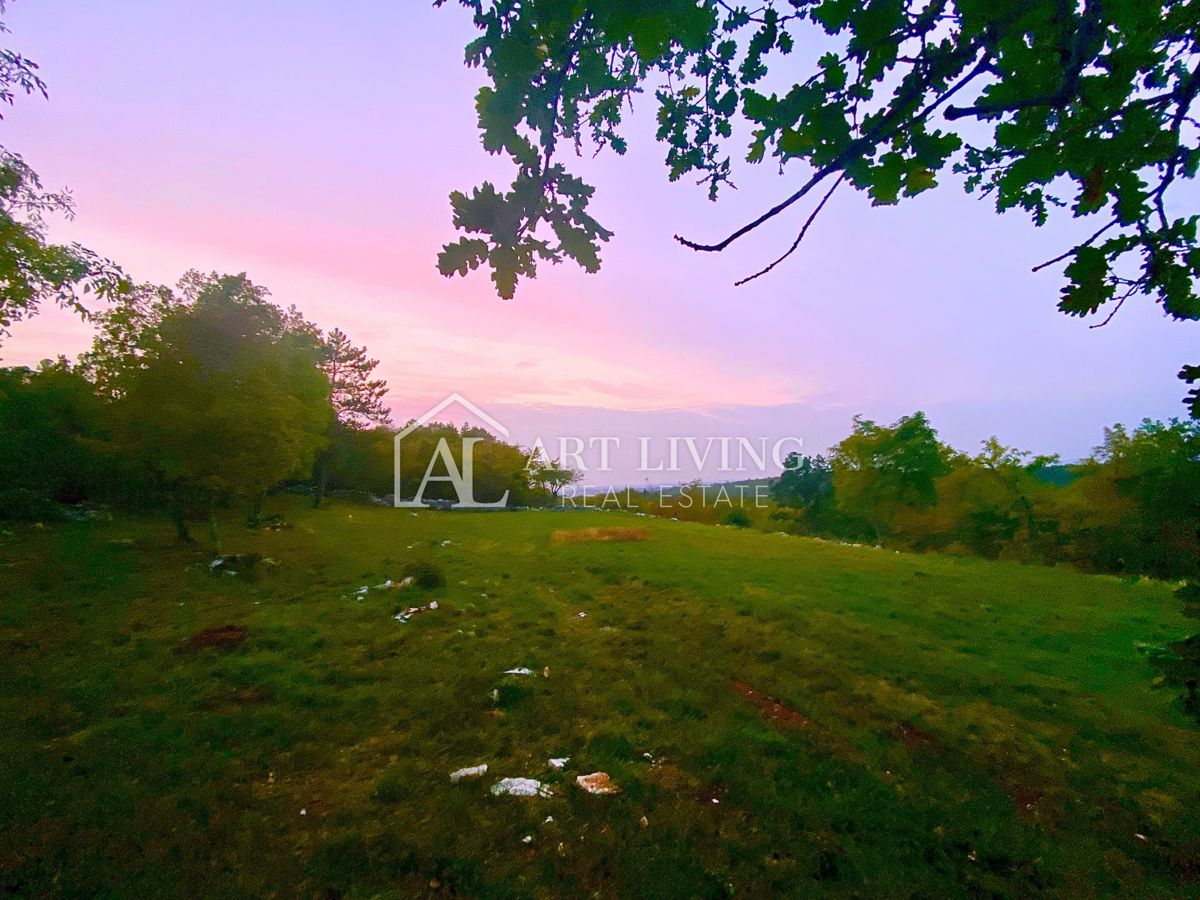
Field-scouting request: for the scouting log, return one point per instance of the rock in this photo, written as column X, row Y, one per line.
column 520, row 671
column 520, row 787
column 559, row 762
column 469, row 772
column 597, row 783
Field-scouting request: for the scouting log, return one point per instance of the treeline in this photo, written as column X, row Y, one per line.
column 1133, row 507
column 208, row 395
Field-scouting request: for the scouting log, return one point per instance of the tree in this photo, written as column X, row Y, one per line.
column 31, row 269
column 881, row 469
column 53, row 436
column 357, row 398
column 1040, row 105
column 552, row 476
column 225, row 401
column 805, row 481
column 993, row 504
column 1150, row 522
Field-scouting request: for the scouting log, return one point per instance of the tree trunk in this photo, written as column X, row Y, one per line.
column 254, row 519
column 181, row 530
column 322, row 475
column 213, row 530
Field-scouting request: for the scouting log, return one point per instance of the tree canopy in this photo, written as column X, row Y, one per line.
column 1040, row 105
column 227, row 400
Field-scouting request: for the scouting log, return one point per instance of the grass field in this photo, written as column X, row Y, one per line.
column 781, row 715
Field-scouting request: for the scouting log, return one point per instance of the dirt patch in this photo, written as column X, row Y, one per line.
column 1027, row 799
column 774, row 710
column 583, row 535
column 711, row 794
column 916, row 738
column 221, row 637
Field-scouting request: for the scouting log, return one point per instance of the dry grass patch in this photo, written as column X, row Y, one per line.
column 582, row 535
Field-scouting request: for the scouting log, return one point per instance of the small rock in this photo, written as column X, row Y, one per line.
column 520, row 787
column 559, row 761
column 521, row 671
column 469, row 772
column 597, row 783
column 528, row 839
column 644, row 822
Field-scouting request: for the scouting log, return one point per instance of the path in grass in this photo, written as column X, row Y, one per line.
column 780, row 714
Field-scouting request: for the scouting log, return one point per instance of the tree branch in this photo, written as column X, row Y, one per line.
column 800, row 237
column 877, row 133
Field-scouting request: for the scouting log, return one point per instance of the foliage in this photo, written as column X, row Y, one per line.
column 425, row 573
column 552, row 476
column 357, row 397
column 225, row 401
column 804, row 482
column 31, row 269
column 53, row 440
column 498, row 466
column 879, row 470
column 1042, row 106
column 737, row 517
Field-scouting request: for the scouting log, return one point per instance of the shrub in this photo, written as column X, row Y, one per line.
column 736, row 517
column 425, row 574
column 21, row 505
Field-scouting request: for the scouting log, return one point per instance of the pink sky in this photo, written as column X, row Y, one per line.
column 314, row 147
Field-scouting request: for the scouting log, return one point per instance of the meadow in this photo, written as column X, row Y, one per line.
column 780, row 714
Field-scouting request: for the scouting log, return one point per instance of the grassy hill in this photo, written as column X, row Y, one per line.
column 781, row 715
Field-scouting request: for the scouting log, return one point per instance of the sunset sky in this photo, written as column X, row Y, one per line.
column 313, row 146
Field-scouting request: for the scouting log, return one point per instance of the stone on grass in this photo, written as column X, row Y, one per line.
column 469, row 772
column 520, row 787
column 597, row 783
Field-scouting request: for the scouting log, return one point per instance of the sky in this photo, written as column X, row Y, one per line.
column 314, row 146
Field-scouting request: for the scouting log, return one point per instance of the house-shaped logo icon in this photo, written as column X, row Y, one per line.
column 461, row 479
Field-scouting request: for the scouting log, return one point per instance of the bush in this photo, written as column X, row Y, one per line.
column 736, row 517
column 21, row 505
column 425, row 574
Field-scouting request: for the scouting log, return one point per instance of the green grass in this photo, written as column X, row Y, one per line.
column 946, row 727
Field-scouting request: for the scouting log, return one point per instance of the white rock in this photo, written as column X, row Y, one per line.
column 520, row 787
column 559, row 761
column 469, row 772
column 520, row 671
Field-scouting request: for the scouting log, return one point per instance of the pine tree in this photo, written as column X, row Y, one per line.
column 357, row 397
